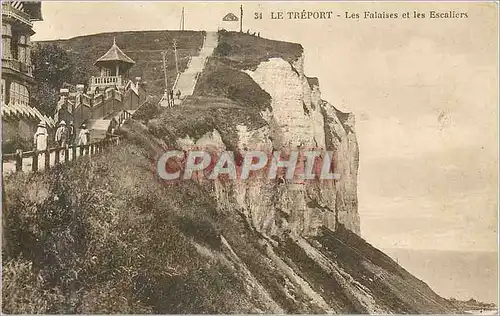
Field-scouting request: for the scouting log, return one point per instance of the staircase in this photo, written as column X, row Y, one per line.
column 99, row 127
column 187, row 80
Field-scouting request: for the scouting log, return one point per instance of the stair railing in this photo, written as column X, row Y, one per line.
column 61, row 154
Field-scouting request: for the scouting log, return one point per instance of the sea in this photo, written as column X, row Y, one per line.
column 458, row 274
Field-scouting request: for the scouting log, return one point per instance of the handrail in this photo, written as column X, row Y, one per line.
column 61, row 154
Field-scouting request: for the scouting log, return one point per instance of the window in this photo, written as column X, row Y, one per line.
column 6, row 30
column 14, row 47
column 21, row 54
column 19, row 94
column 6, row 48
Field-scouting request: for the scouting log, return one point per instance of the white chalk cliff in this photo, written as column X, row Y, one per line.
column 298, row 118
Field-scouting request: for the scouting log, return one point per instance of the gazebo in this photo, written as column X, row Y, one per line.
column 113, row 68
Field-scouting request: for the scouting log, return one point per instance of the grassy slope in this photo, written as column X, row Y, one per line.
column 106, row 235
column 247, row 51
column 144, row 47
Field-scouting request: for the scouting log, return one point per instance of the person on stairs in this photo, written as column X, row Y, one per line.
column 171, row 94
column 61, row 137
column 71, row 133
column 113, row 124
column 41, row 136
column 84, row 136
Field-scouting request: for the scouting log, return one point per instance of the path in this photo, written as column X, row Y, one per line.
column 187, row 80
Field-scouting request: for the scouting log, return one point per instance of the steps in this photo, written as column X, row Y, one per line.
column 98, row 129
column 187, row 79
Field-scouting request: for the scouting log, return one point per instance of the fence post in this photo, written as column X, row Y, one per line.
column 34, row 165
column 19, row 160
column 74, row 152
column 66, row 153
column 47, row 159
column 81, row 150
column 56, row 158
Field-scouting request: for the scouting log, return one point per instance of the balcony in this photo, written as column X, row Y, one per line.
column 106, row 81
column 11, row 12
column 17, row 65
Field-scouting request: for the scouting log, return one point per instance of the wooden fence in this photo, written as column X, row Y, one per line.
column 43, row 160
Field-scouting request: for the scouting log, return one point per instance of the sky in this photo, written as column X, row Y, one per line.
column 424, row 93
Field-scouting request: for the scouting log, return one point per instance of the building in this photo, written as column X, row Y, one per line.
column 107, row 96
column 114, row 68
column 19, row 119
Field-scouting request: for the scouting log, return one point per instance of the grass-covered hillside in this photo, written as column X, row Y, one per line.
column 106, row 235
column 144, row 47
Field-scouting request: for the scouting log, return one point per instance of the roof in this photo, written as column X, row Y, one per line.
column 115, row 54
column 32, row 9
column 26, row 111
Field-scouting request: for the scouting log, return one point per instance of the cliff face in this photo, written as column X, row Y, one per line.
column 297, row 119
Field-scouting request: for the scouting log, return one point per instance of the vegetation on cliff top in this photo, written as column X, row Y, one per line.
column 245, row 51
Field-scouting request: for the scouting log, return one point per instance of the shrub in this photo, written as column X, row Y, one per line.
column 223, row 49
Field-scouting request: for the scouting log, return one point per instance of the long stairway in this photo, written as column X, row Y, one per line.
column 187, row 80
column 99, row 127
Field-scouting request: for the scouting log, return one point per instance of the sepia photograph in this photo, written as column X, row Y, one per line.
column 252, row 157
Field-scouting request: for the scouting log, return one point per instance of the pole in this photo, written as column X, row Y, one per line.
column 164, row 53
column 175, row 53
column 241, row 18
column 182, row 20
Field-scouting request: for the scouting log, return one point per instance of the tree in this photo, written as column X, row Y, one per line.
column 53, row 69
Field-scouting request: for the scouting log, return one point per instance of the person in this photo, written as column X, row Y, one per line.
column 41, row 136
column 111, row 128
column 179, row 94
column 71, row 133
column 84, row 136
column 171, row 97
column 61, row 134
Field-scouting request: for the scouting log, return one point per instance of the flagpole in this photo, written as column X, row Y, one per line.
column 241, row 18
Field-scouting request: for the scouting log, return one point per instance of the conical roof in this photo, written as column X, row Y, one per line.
column 115, row 54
